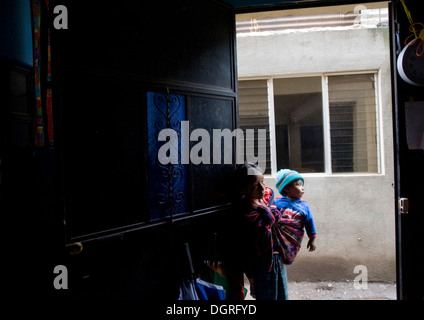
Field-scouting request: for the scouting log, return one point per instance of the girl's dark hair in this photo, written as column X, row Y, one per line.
column 245, row 174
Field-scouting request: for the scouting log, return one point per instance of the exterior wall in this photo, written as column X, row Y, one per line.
column 354, row 213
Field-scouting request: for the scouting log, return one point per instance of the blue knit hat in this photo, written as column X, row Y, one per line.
column 284, row 177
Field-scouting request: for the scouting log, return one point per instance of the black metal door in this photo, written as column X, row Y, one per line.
column 115, row 65
column 126, row 72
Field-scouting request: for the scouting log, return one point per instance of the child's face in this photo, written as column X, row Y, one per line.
column 295, row 190
column 256, row 190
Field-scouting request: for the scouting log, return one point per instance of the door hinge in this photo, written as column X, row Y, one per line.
column 403, row 206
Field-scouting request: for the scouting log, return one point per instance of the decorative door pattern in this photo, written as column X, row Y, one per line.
column 168, row 182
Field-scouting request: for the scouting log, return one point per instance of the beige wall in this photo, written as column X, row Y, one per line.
column 354, row 213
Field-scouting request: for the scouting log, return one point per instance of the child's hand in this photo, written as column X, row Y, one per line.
column 311, row 244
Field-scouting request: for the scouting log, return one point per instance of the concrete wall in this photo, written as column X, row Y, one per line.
column 354, row 213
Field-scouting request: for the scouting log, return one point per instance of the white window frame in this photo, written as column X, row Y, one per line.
column 326, row 121
column 326, row 124
column 272, row 136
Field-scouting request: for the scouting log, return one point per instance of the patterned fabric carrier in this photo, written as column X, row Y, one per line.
column 288, row 232
column 283, row 231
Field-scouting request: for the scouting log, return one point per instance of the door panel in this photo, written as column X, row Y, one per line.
column 108, row 74
column 168, row 176
column 117, row 66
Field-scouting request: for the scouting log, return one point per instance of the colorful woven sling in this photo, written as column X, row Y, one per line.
column 288, row 231
column 276, row 231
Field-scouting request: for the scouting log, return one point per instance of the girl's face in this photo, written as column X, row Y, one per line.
column 295, row 190
column 256, row 190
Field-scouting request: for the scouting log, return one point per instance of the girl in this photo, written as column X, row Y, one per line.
column 261, row 248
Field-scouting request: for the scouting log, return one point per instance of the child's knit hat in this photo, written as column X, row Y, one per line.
column 284, row 177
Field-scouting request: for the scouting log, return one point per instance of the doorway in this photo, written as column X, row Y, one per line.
column 319, row 80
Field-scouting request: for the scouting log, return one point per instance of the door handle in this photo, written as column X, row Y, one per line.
column 74, row 248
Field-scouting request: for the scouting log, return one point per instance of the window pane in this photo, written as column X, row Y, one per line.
column 353, row 123
column 298, row 123
column 254, row 113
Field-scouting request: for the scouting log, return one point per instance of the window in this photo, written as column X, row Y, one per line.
column 325, row 123
column 254, row 113
column 353, row 125
column 298, row 124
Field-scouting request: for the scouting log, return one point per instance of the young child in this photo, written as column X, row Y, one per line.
column 296, row 212
column 261, row 247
